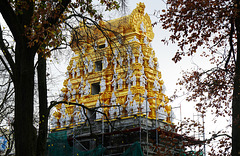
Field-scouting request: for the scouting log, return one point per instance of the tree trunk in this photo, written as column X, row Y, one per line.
column 236, row 93
column 43, row 112
column 25, row 134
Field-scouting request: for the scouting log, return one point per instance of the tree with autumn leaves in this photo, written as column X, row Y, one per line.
column 34, row 30
column 211, row 28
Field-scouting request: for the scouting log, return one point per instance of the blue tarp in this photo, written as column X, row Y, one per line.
column 3, row 143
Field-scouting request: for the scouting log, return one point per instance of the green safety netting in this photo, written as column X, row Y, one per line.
column 134, row 150
column 58, row 146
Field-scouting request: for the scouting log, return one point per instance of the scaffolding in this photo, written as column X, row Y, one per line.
column 114, row 137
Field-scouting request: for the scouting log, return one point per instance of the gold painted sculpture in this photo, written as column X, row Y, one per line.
column 109, row 73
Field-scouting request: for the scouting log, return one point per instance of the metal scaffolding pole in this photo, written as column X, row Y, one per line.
column 146, row 99
column 204, row 145
column 140, row 135
column 102, row 132
column 147, row 123
column 156, row 114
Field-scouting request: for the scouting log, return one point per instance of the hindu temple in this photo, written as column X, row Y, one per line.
column 115, row 82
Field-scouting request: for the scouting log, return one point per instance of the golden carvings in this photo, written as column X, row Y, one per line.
column 124, row 75
column 140, row 22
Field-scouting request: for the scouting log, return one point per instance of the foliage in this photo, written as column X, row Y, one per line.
column 35, row 27
column 210, row 27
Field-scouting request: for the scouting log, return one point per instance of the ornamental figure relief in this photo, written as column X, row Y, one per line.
column 102, row 85
column 105, row 62
column 150, row 62
column 90, row 66
column 120, row 83
column 87, row 88
column 156, row 85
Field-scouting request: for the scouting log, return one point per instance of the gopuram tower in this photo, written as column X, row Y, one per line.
column 112, row 101
column 115, row 75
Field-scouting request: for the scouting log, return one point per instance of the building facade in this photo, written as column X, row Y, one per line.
column 114, row 74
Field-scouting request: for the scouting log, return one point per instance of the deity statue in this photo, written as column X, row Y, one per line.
column 85, row 62
column 68, row 119
column 85, row 70
column 114, row 84
column 63, row 109
column 98, row 114
column 120, row 61
column 62, row 121
column 115, row 63
column 74, row 64
column 87, row 88
column 78, row 72
column 145, row 107
column 129, row 108
column 120, row 82
column 103, row 85
column 68, row 96
column 73, row 73
column 135, row 107
column 161, row 113
column 142, row 71
column 99, row 109
column 133, row 59
column 81, row 90
column 156, row 85
column 104, row 62
column 128, row 77
column 150, row 62
column 118, row 109
column 90, row 66
column 129, row 97
column 111, row 112
column 116, row 53
column 74, row 93
column 76, row 118
column 114, row 80
column 134, row 80
column 143, row 80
